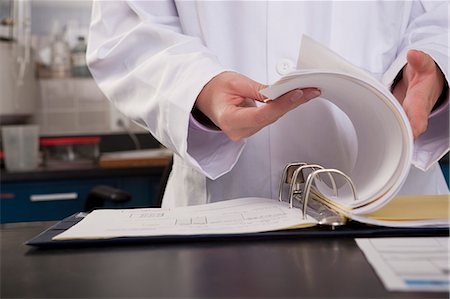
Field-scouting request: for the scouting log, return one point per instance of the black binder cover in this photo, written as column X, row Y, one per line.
column 351, row 230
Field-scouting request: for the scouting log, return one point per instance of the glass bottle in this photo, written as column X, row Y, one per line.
column 79, row 66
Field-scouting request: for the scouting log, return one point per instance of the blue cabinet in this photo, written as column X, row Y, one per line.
column 54, row 199
column 445, row 171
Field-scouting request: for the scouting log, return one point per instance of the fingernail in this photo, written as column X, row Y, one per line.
column 296, row 95
column 311, row 94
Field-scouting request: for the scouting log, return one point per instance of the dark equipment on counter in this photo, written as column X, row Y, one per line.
column 99, row 194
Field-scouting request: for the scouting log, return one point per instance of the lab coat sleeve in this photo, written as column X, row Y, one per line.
column 427, row 31
column 152, row 73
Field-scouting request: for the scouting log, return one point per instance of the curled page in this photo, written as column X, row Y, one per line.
column 383, row 134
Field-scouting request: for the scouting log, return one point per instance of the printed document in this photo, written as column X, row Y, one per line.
column 409, row 264
column 244, row 215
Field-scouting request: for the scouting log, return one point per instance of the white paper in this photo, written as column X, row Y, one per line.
column 409, row 264
column 313, row 55
column 383, row 134
column 244, row 215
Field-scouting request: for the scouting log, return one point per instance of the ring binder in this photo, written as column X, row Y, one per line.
column 301, row 191
column 249, row 215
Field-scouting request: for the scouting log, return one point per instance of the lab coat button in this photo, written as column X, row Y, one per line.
column 284, row 66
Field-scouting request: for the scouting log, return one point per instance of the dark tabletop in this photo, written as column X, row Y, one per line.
column 303, row 268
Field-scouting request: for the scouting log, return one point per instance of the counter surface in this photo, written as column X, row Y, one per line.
column 290, row 268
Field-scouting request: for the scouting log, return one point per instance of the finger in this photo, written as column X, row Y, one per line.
column 259, row 117
column 419, row 61
column 247, row 88
column 273, row 110
column 251, row 120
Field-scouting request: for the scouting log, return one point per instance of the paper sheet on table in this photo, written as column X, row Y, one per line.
column 244, row 215
column 409, row 264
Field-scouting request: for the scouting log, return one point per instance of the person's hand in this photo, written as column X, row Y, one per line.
column 228, row 100
column 419, row 89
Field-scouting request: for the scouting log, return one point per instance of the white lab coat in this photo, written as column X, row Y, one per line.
column 152, row 58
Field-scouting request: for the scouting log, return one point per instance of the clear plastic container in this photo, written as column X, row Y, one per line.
column 70, row 151
column 21, row 147
column 60, row 59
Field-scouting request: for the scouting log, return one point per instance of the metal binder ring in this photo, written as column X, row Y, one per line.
column 285, row 178
column 309, row 180
column 300, row 170
column 297, row 172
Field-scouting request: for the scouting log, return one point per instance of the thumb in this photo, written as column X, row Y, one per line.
column 246, row 87
column 419, row 61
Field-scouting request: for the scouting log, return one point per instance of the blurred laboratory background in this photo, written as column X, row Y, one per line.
column 43, row 48
column 61, row 138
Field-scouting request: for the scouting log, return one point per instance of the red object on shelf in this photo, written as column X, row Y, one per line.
column 69, row 140
column 70, row 151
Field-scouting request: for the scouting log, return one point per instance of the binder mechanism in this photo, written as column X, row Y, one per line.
column 316, row 191
column 305, row 195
